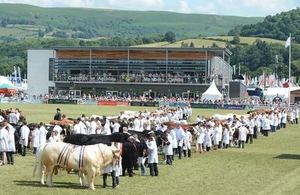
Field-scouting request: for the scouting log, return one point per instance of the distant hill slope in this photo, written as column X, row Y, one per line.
column 21, row 21
column 219, row 41
column 276, row 27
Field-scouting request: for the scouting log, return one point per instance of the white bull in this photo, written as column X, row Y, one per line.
column 87, row 160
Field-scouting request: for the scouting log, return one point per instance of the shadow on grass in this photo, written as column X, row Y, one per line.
column 55, row 184
column 288, row 156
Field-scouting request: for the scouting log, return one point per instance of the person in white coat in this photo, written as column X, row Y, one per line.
column 168, row 148
column 200, row 137
column 24, row 131
column 187, row 144
column 152, row 154
column 4, row 137
column 43, row 134
column 35, row 139
column 243, row 131
column 207, row 138
column 174, row 143
column 11, row 144
column 226, row 136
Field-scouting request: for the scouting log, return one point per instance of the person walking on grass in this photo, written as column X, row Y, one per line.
column 4, row 139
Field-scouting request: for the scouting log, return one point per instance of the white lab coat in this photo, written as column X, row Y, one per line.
column 187, row 140
column 226, row 136
column 152, row 151
column 174, row 140
column 168, row 149
column 243, row 131
column 201, row 135
column 24, row 135
column 43, row 135
column 35, row 138
column 11, row 139
column 207, row 138
column 4, row 137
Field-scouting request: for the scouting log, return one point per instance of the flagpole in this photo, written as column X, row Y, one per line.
column 290, row 59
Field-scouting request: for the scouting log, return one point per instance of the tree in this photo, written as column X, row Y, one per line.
column 236, row 40
column 192, row 45
column 170, row 37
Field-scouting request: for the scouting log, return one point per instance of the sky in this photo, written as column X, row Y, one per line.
column 220, row 7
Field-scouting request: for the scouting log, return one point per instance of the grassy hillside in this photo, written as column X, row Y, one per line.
column 91, row 23
column 220, row 41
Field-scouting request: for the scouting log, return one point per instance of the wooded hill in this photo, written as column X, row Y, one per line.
column 276, row 27
column 19, row 21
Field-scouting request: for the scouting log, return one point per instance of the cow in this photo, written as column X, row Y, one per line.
column 87, row 160
column 130, row 153
column 82, row 139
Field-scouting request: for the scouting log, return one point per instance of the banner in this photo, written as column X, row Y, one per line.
column 218, row 106
column 142, row 103
column 61, row 101
column 112, row 103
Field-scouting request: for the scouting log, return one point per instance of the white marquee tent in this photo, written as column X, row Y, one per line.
column 212, row 93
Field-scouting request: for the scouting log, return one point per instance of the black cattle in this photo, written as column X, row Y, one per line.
column 82, row 139
column 130, row 154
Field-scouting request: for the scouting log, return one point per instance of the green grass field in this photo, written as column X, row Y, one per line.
column 209, row 41
column 268, row 166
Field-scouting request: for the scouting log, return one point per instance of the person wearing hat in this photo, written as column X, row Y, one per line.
column 152, row 154
column 57, row 116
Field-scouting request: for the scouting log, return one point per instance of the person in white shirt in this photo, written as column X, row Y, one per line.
column 251, row 125
column 59, row 130
column 35, row 139
column 266, row 125
column 200, row 137
column 4, row 138
column 284, row 119
column 24, row 137
column 187, row 144
column 115, row 126
column 11, row 144
column 243, row 131
column 167, row 144
column 13, row 118
column 106, row 128
column 226, row 136
column 93, row 126
column 152, row 154
column 43, row 134
column 207, row 138
column 180, row 135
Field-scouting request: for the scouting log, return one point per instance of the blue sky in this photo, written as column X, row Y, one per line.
column 221, row 7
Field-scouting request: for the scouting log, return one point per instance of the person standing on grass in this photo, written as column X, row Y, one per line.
column 35, row 139
column 284, row 119
column 11, row 144
column 4, row 139
column 226, row 136
column 180, row 135
column 207, row 138
column 24, row 137
column 200, row 139
column 168, row 148
column 43, row 134
column 243, row 131
column 251, row 125
column 174, row 142
column 266, row 125
column 152, row 154
column 57, row 115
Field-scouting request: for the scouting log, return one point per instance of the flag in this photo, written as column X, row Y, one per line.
column 15, row 74
column 288, row 42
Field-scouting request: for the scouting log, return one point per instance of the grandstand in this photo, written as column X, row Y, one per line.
column 182, row 72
